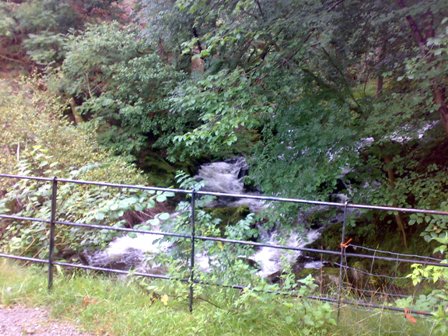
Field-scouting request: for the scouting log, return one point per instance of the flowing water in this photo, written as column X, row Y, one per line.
column 132, row 252
column 226, row 177
column 270, row 260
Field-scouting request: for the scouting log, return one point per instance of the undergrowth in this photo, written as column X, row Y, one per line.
column 117, row 306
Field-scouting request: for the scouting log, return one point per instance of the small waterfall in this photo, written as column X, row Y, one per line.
column 128, row 252
column 227, row 177
column 270, row 260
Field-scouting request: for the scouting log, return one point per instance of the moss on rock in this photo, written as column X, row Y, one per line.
column 230, row 215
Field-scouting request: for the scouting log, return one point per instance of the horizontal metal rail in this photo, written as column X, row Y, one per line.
column 319, row 298
column 112, row 228
column 24, row 177
column 373, row 293
column 35, row 260
column 371, row 305
column 112, row 270
column 395, row 253
column 219, row 194
column 409, row 261
column 92, row 268
column 30, row 219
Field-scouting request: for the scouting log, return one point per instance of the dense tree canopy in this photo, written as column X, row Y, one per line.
column 322, row 97
column 323, row 93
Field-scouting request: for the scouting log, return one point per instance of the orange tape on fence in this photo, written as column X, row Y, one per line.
column 346, row 244
column 409, row 317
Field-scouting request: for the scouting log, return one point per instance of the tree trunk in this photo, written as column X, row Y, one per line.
column 380, row 78
column 439, row 94
column 379, row 85
column 398, row 217
column 77, row 118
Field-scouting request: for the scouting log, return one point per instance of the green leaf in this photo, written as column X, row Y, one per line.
column 163, row 216
column 154, row 222
column 161, row 198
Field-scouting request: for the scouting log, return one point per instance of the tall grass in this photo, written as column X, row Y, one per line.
column 112, row 306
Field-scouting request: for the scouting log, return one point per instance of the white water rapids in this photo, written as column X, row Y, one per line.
column 226, row 177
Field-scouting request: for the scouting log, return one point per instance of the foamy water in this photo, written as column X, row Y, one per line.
column 270, row 260
column 139, row 251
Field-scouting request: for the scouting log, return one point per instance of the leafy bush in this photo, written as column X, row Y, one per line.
column 7, row 21
column 68, row 145
column 89, row 57
column 46, row 15
column 75, row 203
column 54, row 147
column 228, row 107
column 121, row 85
column 436, row 300
column 45, row 48
column 132, row 109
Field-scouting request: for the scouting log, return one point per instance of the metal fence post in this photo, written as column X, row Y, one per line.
column 342, row 246
column 54, row 188
column 193, row 232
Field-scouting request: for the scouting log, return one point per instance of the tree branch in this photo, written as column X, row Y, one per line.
column 259, row 8
column 11, row 59
column 196, row 35
column 334, row 5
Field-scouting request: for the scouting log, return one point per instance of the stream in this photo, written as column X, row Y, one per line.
column 227, row 176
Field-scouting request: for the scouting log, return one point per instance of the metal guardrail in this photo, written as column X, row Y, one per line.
column 191, row 281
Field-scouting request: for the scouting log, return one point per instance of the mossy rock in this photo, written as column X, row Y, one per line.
column 304, row 272
column 229, row 215
column 159, row 171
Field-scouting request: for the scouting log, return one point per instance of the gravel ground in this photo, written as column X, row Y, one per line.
column 18, row 321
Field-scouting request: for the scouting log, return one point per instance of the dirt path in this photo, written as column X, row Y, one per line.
column 18, row 321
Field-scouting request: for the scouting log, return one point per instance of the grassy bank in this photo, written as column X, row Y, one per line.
column 110, row 306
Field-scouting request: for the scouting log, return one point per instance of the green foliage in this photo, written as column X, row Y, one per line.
column 225, row 264
column 75, row 203
column 70, row 146
column 123, row 86
column 46, row 15
column 321, row 97
column 436, row 300
column 45, row 48
column 305, row 92
column 90, row 56
column 37, row 26
column 7, row 21
column 185, row 181
column 53, row 147
column 420, row 72
column 315, row 320
column 227, row 106
column 132, row 108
